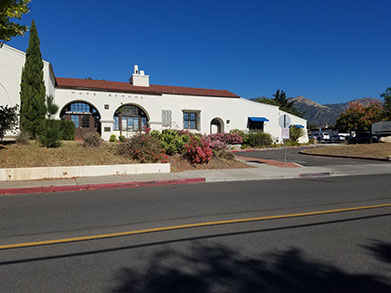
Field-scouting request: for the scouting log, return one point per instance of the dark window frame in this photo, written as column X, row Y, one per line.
column 256, row 126
column 187, row 119
column 85, row 121
column 81, row 114
column 129, row 112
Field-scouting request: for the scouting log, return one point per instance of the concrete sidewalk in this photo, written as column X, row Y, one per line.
column 259, row 172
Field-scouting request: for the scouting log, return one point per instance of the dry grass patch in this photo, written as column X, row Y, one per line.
column 179, row 164
column 376, row 150
column 72, row 153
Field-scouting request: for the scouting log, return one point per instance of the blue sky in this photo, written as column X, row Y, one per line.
column 329, row 51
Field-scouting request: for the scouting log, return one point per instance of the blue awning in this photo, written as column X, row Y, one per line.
column 258, row 119
column 298, row 126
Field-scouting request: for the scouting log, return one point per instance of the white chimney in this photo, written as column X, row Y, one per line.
column 139, row 78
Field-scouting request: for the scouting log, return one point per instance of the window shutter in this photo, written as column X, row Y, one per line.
column 166, row 118
column 199, row 121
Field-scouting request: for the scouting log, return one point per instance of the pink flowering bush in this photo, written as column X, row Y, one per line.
column 233, row 138
column 184, row 132
column 217, row 136
column 146, row 129
column 239, row 132
column 226, row 138
column 143, row 148
column 198, row 150
column 217, row 145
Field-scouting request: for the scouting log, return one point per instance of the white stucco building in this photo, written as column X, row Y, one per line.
column 124, row 107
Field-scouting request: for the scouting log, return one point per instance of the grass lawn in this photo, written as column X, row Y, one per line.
column 72, row 153
column 375, row 150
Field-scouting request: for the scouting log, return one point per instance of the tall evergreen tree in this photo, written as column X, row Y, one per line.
column 32, row 88
column 285, row 104
column 387, row 103
column 280, row 100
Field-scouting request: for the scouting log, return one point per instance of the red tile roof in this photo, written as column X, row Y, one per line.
column 125, row 87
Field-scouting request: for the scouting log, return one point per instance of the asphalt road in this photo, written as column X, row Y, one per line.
column 293, row 155
column 348, row 251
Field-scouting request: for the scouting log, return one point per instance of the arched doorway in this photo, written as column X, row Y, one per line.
column 130, row 119
column 85, row 117
column 216, row 126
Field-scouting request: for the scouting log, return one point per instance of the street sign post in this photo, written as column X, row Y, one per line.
column 285, row 133
column 285, row 122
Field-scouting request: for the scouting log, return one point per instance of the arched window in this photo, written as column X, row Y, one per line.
column 85, row 117
column 130, row 118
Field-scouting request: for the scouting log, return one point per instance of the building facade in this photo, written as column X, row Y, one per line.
column 123, row 108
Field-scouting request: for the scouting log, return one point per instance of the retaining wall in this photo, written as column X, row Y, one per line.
column 13, row 174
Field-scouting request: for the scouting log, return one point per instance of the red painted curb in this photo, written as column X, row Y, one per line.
column 46, row 189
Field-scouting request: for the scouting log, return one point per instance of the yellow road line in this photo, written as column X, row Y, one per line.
column 186, row 226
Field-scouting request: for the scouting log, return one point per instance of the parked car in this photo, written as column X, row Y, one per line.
column 344, row 134
column 338, row 138
column 323, row 137
column 363, row 138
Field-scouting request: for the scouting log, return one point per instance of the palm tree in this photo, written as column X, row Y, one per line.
column 51, row 135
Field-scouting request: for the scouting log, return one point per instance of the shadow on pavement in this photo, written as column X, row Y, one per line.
column 381, row 250
column 217, row 268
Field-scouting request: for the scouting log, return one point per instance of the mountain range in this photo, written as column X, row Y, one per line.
column 327, row 114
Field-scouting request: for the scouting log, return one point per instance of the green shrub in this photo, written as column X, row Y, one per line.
column 113, row 138
column 257, row 139
column 122, row 138
column 173, row 141
column 143, row 148
column 50, row 134
column 67, row 128
column 155, row 133
column 8, row 119
column 292, row 143
column 238, row 131
column 92, row 139
column 295, row 133
column 50, row 137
